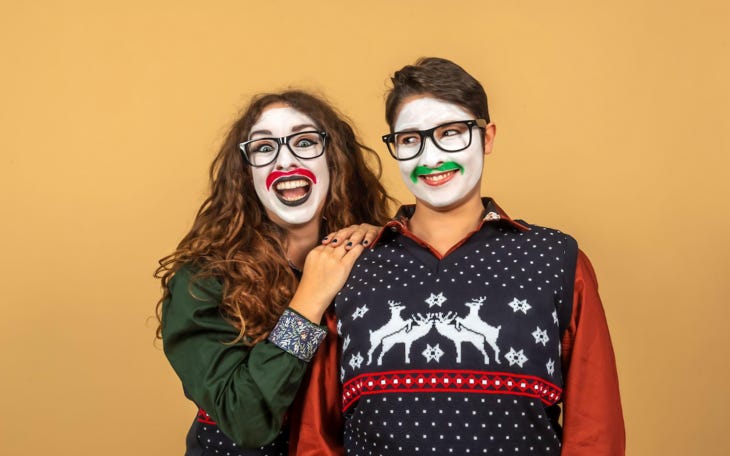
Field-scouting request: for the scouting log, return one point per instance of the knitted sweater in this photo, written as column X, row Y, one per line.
column 470, row 352
column 455, row 355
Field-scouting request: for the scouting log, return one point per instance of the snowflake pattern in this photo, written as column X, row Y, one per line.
column 520, row 305
column 356, row 360
column 541, row 336
column 360, row 312
column 518, row 272
column 346, row 342
column 516, row 357
column 435, row 300
column 433, row 353
column 550, row 367
column 339, row 327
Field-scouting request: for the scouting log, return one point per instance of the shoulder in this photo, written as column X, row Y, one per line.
column 191, row 291
column 538, row 234
column 191, row 280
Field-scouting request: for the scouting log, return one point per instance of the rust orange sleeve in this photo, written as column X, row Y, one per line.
column 593, row 422
column 316, row 417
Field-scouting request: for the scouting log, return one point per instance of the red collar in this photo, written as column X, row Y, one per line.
column 492, row 213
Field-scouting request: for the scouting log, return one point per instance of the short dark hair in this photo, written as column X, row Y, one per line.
column 440, row 78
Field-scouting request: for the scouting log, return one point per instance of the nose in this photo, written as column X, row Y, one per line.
column 431, row 156
column 285, row 159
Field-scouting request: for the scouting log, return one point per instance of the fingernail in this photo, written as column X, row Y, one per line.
column 365, row 242
column 349, row 243
column 325, row 238
column 334, row 240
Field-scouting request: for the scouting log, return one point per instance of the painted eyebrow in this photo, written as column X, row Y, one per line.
column 295, row 129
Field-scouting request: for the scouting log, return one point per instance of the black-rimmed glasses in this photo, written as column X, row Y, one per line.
column 449, row 137
column 304, row 145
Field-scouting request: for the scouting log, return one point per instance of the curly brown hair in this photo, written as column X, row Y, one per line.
column 234, row 241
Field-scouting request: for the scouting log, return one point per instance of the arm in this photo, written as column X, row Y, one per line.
column 593, row 421
column 247, row 391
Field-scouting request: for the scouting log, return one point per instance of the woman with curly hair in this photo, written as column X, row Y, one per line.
column 247, row 288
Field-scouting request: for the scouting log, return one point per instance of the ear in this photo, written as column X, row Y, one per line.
column 489, row 134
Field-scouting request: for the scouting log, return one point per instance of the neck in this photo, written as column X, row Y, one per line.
column 300, row 239
column 442, row 228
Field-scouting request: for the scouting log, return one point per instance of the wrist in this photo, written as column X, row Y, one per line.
column 308, row 310
column 310, row 305
column 296, row 335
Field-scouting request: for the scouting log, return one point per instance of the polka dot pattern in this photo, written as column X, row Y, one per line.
column 207, row 439
column 448, row 424
column 493, row 309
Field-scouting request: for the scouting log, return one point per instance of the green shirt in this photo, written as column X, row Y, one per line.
column 246, row 390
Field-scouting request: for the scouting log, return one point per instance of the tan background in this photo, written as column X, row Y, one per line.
column 612, row 126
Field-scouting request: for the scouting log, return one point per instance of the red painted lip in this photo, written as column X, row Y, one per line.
column 276, row 175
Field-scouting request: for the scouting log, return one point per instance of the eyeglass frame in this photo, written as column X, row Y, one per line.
column 423, row 134
column 282, row 141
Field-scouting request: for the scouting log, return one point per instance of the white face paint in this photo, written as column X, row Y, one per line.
column 292, row 190
column 435, row 177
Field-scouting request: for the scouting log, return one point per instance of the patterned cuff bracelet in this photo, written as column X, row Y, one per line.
column 296, row 335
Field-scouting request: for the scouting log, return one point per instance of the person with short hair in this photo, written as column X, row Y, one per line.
column 464, row 331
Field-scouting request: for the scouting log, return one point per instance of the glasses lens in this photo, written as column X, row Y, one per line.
column 407, row 144
column 308, row 144
column 453, row 137
column 262, row 151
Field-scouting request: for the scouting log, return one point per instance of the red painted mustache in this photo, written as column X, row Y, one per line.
column 275, row 175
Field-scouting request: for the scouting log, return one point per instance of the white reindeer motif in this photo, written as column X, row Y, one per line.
column 395, row 324
column 472, row 322
column 459, row 335
column 407, row 336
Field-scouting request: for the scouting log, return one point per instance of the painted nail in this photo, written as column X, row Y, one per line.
column 365, row 242
column 325, row 238
column 349, row 243
column 334, row 241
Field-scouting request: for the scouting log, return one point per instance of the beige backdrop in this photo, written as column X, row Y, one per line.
column 612, row 126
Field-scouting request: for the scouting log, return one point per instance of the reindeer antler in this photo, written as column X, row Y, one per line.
column 420, row 319
column 393, row 303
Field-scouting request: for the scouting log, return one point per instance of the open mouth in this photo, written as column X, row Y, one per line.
column 291, row 187
column 292, row 190
column 436, row 179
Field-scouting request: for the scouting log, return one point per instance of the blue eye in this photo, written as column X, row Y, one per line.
column 305, row 143
column 305, row 140
column 264, row 146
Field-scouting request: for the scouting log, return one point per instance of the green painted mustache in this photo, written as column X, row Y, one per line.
column 423, row 170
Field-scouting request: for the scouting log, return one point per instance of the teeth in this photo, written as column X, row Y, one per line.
column 437, row 177
column 288, row 185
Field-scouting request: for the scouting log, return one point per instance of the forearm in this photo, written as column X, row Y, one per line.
column 593, row 420
column 246, row 390
column 250, row 406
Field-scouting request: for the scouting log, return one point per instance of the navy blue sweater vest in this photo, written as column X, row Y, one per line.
column 459, row 355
